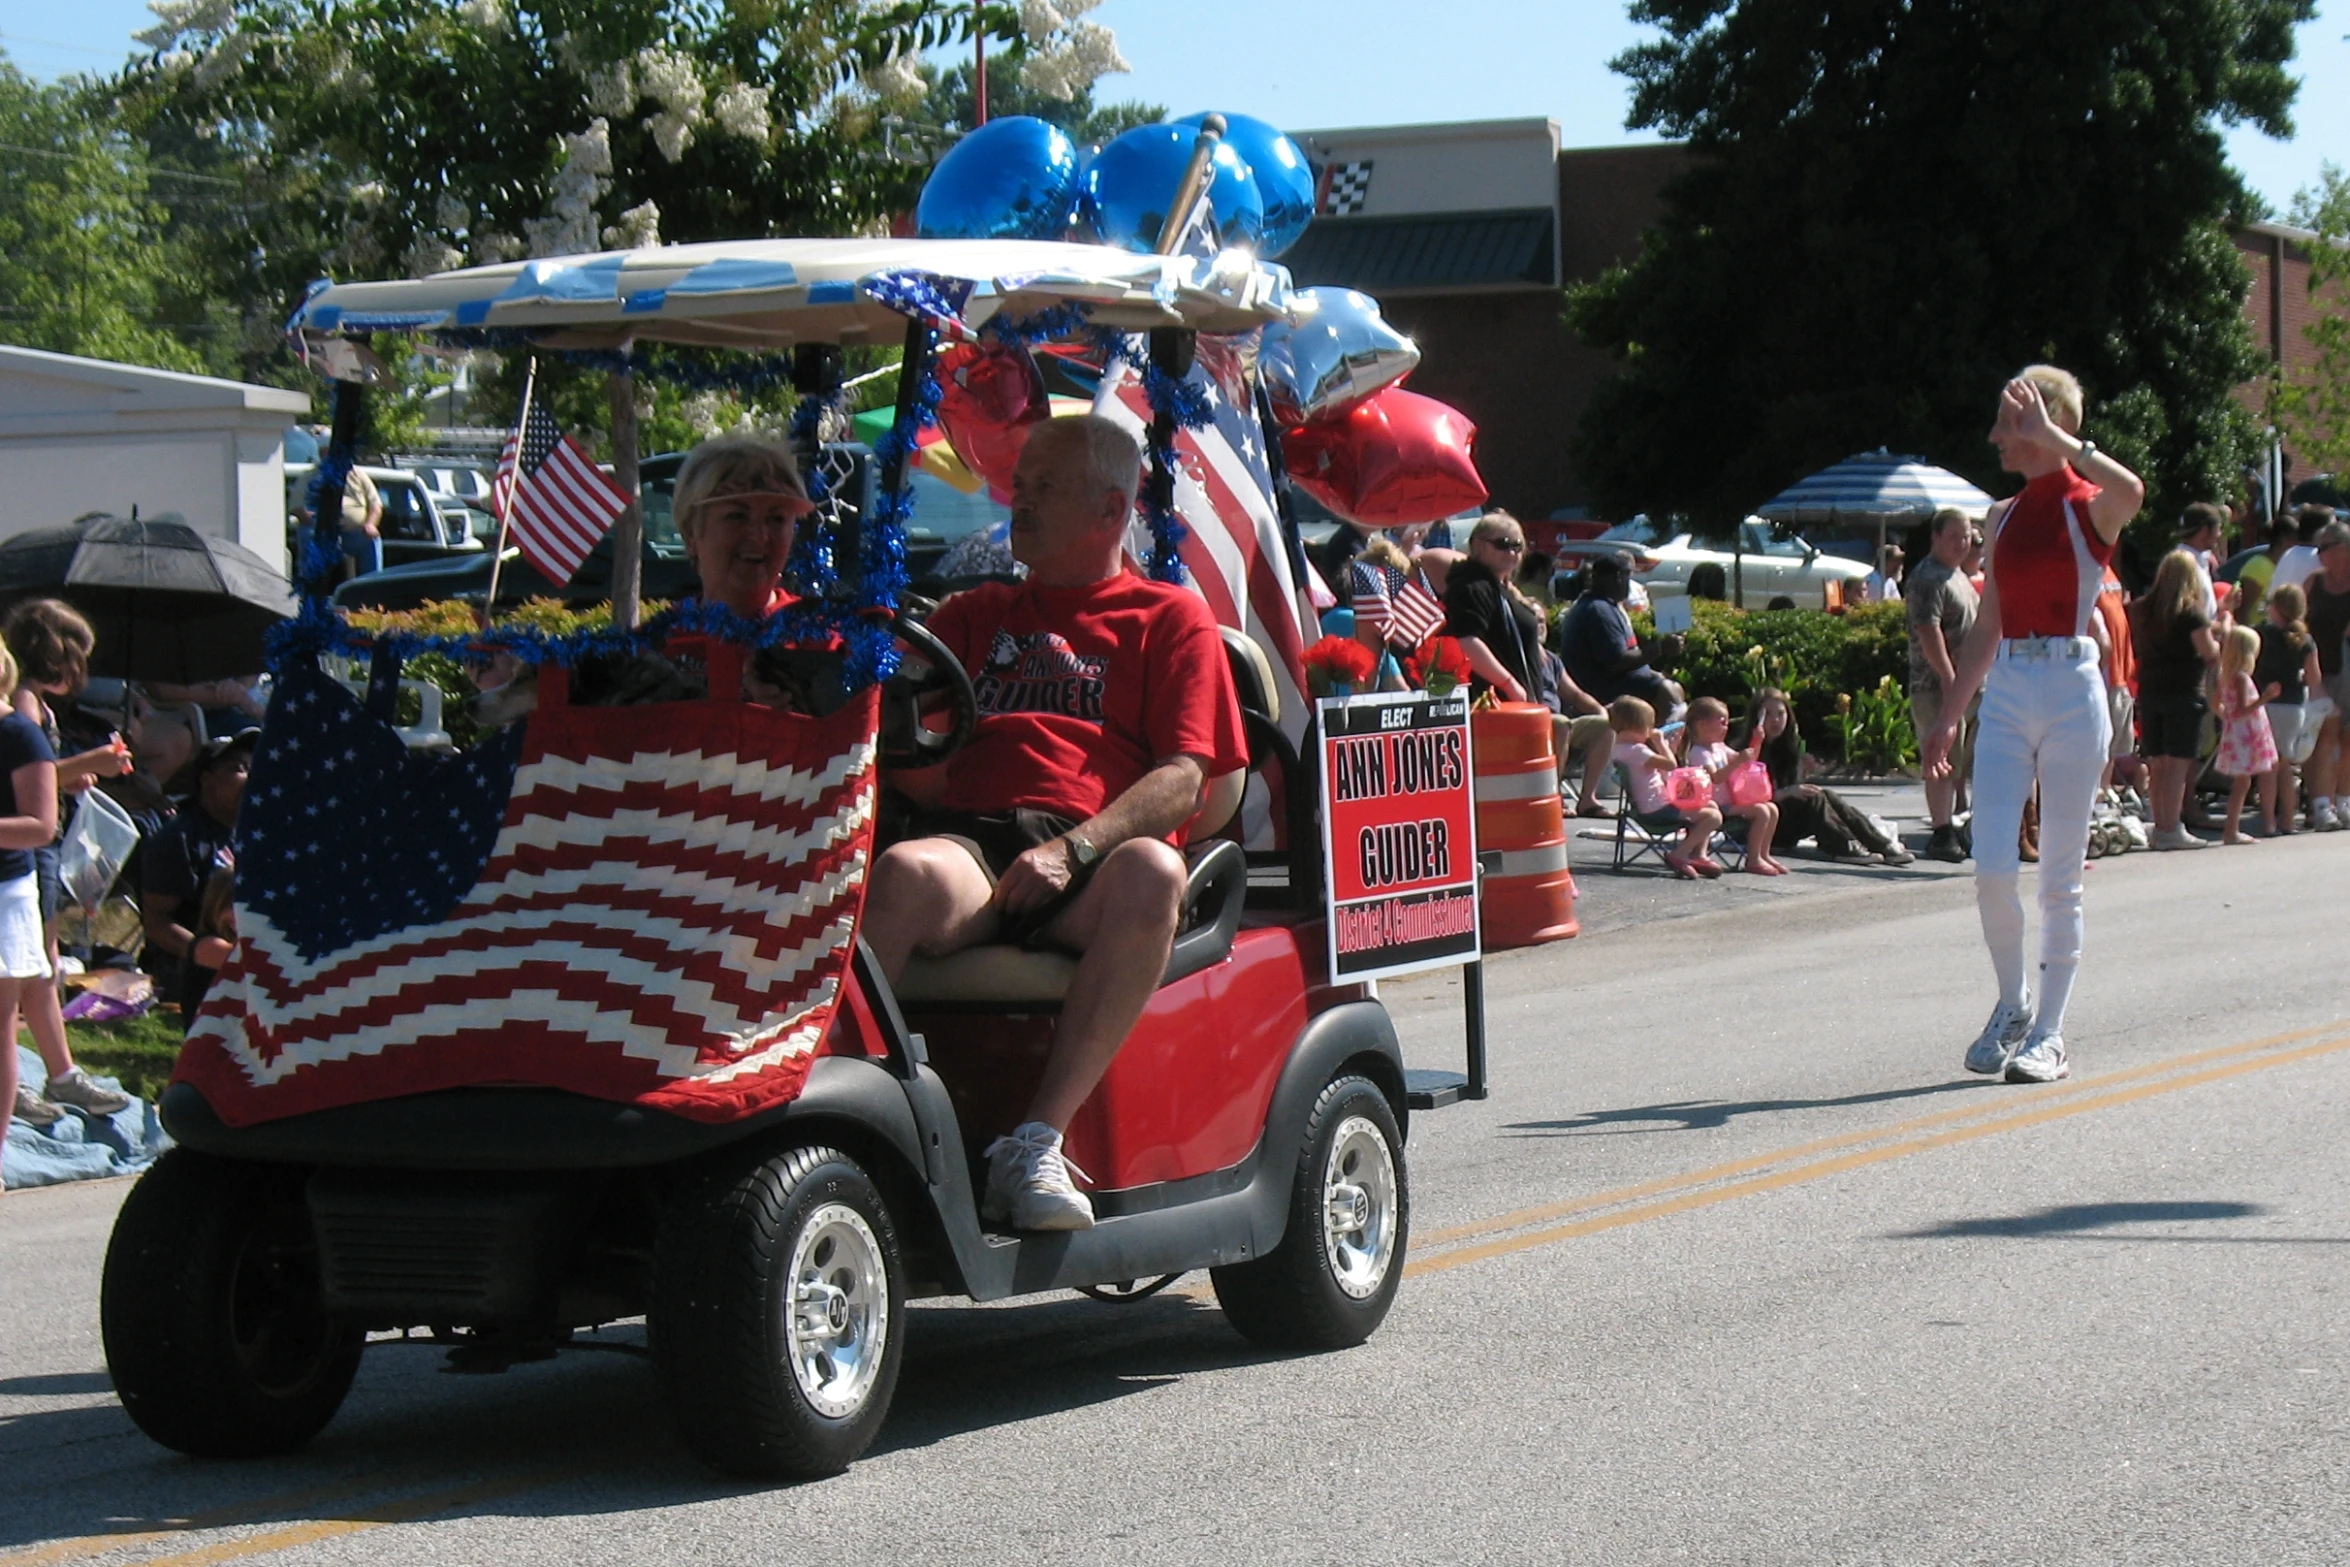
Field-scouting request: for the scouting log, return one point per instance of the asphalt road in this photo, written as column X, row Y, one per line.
column 1735, row 1266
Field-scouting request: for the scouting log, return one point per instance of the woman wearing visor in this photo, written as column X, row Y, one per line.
column 2044, row 719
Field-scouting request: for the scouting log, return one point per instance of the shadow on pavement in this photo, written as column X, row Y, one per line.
column 1698, row 1115
column 57, row 1385
column 2071, row 1220
column 579, row 1436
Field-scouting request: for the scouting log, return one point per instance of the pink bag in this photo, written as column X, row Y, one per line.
column 1749, row 783
column 1689, row 788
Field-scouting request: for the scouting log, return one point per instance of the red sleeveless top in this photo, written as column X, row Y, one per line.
column 2047, row 558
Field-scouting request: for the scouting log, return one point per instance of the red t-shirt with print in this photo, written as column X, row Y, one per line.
column 1084, row 690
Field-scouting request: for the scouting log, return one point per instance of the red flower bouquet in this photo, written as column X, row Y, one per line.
column 1337, row 666
column 1439, row 667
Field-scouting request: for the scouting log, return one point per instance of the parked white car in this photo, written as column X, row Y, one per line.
column 1775, row 564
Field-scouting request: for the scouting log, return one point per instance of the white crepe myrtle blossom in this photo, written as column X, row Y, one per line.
column 489, row 249
column 175, row 17
column 638, row 228
column 569, row 225
column 221, row 61
column 1087, row 52
column 486, row 16
column 895, row 80
column 667, row 77
column 611, row 89
column 741, row 110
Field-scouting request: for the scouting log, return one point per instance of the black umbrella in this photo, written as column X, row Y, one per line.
column 168, row 603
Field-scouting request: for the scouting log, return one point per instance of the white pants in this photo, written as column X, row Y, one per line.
column 2044, row 718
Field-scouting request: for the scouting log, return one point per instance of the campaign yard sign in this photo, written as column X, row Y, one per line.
column 1399, row 834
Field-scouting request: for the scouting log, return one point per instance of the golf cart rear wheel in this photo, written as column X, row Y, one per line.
column 1329, row 1283
column 778, row 1312
column 217, row 1334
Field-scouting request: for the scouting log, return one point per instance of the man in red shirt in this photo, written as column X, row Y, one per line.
column 1105, row 707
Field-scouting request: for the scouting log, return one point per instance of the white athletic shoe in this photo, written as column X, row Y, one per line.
column 75, row 1090
column 2040, row 1061
column 2000, row 1038
column 2180, row 838
column 1028, row 1183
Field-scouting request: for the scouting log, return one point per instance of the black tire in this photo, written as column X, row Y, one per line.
column 216, row 1330
column 758, row 1388
column 1328, row 1284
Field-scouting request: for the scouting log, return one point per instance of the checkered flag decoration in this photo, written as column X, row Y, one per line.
column 1345, row 187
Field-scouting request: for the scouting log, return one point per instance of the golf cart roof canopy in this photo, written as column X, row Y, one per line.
column 773, row 293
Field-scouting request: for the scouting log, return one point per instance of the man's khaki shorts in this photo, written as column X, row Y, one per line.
column 1925, row 713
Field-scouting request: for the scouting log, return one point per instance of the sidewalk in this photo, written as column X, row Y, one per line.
column 1613, row 900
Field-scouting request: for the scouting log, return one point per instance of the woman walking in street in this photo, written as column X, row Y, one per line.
column 2044, row 717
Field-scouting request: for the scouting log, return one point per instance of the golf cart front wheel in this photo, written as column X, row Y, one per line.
column 777, row 1315
column 1329, row 1283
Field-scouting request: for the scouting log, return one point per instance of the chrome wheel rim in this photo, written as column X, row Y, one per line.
column 837, row 1318
column 1359, row 1204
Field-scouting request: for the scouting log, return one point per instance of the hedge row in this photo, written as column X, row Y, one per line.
column 1834, row 666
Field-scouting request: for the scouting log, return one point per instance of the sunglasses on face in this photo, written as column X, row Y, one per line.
column 1508, row 546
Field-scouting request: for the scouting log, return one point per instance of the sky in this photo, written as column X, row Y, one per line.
column 1318, row 64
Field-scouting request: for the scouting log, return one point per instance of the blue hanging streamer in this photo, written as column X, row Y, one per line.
column 1188, row 405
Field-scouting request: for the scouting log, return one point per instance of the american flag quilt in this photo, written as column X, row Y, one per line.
column 653, row 904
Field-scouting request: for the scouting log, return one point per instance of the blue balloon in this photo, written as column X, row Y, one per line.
column 1285, row 181
column 1132, row 182
column 1013, row 178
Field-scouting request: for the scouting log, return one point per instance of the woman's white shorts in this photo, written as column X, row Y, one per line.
column 23, row 954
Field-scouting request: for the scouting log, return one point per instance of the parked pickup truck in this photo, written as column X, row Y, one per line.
column 418, row 524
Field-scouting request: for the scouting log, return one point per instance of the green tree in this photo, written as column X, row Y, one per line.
column 81, row 257
column 2314, row 403
column 1892, row 208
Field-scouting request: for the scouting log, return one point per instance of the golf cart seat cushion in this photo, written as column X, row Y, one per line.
column 988, row 976
column 1252, row 674
column 998, row 977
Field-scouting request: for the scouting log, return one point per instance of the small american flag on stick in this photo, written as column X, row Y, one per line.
column 560, row 503
column 1400, row 608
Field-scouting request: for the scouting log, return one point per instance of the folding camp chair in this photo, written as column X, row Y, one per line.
column 1637, row 839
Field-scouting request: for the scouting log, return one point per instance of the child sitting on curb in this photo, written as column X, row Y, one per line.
column 1709, row 748
column 1641, row 754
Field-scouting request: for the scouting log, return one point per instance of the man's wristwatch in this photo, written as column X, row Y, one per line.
column 1081, row 852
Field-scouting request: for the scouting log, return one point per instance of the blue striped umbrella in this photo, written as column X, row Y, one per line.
column 1876, row 484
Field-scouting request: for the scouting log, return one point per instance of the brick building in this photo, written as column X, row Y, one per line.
column 1466, row 233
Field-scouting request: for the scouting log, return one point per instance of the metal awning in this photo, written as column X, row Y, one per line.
column 772, row 293
column 1429, row 252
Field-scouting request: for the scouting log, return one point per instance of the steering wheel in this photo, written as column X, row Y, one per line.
column 926, row 672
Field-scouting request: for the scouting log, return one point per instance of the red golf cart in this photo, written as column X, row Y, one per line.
column 648, row 1069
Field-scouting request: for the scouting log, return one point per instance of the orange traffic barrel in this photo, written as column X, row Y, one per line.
column 1527, row 893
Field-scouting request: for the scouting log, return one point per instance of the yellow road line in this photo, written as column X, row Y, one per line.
column 1523, row 1217
column 217, row 1518
column 1853, row 1161
column 408, row 1510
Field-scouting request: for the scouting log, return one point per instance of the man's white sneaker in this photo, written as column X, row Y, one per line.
column 2040, row 1061
column 1028, row 1183
column 2321, row 815
column 2000, row 1038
